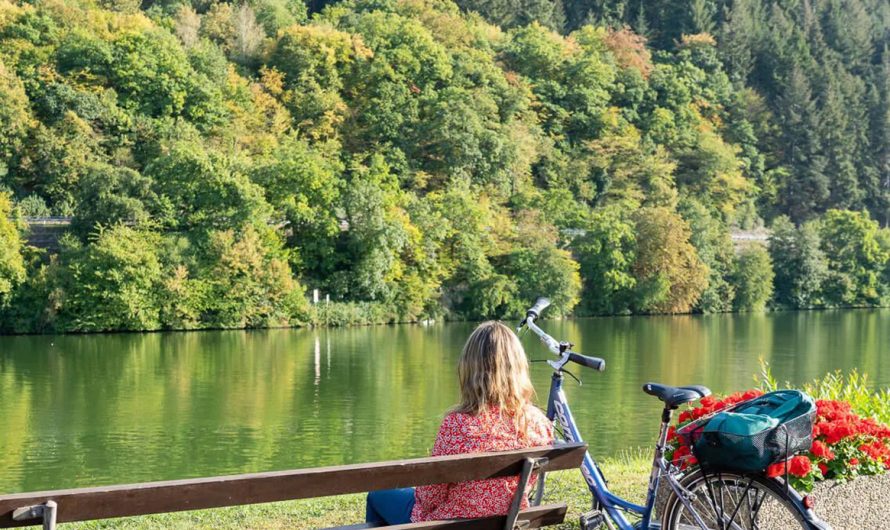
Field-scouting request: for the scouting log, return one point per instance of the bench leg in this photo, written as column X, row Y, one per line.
column 46, row 511
column 528, row 467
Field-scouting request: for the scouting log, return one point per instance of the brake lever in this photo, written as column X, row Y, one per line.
column 573, row 377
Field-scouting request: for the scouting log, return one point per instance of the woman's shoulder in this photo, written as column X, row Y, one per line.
column 537, row 415
column 540, row 426
column 456, row 419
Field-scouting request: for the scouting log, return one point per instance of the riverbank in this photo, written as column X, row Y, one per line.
column 627, row 474
column 364, row 314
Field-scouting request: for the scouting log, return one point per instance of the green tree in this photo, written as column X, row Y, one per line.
column 670, row 276
column 110, row 195
column 713, row 243
column 15, row 117
column 856, row 259
column 314, row 61
column 378, row 232
column 752, row 277
column 884, row 242
column 55, row 160
column 737, row 38
column 538, row 266
column 799, row 263
column 511, row 13
column 304, row 187
column 199, row 188
column 605, row 253
column 464, row 225
column 111, row 283
column 806, row 190
column 247, row 282
column 275, row 15
column 12, row 264
column 611, row 13
column 460, row 135
column 152, row 73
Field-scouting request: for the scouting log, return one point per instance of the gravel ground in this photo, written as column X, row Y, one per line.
column 861, row 504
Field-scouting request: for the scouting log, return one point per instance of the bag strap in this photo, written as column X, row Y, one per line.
column 790, row 403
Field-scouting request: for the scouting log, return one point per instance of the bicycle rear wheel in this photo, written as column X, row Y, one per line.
column 728, row 501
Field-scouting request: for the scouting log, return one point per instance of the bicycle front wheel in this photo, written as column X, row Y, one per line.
column 728, row 501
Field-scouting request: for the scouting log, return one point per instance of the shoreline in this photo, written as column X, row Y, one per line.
column 431, row 322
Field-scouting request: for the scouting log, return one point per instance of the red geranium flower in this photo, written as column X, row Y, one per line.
column 820, row 450
column 776, row 470
column 800, row 466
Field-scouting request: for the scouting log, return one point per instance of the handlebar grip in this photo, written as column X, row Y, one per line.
column 540, row 305
column 591, row 362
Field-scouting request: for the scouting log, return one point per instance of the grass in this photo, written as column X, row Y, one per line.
column 627, row 474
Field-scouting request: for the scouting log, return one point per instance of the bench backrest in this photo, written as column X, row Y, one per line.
column 193, row 494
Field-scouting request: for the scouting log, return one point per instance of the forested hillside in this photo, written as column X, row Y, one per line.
column 412, row 159
column 816, row 73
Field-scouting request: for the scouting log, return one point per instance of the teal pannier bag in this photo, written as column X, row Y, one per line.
column 756, row 433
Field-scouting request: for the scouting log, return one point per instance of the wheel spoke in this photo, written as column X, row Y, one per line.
column 739, row 504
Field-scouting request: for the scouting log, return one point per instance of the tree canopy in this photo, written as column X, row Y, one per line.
column 412, row 159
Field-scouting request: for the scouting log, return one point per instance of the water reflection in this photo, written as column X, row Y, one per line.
column 89, row 410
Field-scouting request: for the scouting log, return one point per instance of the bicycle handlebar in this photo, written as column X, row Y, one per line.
column 540, row 305
column 591, row 362
column 555, row 346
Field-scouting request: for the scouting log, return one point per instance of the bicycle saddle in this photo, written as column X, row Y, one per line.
column 674, row 396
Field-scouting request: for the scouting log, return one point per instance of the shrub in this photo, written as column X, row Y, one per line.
column 351, row 314
column 34, row 206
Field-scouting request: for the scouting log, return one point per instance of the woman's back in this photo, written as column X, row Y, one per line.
column 465, row 433
column 495, row 413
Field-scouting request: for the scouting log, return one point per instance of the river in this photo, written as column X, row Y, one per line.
column 82, row 410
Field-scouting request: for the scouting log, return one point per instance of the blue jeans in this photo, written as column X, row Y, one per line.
column 390, row 506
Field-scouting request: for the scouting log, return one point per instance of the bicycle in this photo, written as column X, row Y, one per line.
column 696, row 498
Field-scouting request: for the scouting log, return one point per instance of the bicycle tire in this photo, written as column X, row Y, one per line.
column 754, row 502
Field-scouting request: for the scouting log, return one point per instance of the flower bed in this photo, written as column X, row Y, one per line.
column 845, row 445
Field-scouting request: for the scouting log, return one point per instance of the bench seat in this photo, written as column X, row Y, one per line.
column 84, row 504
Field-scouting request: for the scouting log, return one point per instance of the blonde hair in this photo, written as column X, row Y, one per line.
column 493, row 372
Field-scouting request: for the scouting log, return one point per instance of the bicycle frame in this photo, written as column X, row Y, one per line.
column 614, row 506
column 558, row 410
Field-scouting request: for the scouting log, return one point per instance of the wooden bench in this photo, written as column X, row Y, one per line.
column 83, row 504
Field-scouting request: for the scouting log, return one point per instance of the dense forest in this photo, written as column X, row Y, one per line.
column 428, row 159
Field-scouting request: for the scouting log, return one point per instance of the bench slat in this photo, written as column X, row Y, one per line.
column 195, row 494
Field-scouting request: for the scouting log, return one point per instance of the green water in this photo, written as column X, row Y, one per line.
column 103, row 409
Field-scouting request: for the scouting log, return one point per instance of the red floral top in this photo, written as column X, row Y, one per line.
column 462, row 433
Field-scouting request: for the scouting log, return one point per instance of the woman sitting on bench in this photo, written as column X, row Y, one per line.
column 496, row 413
